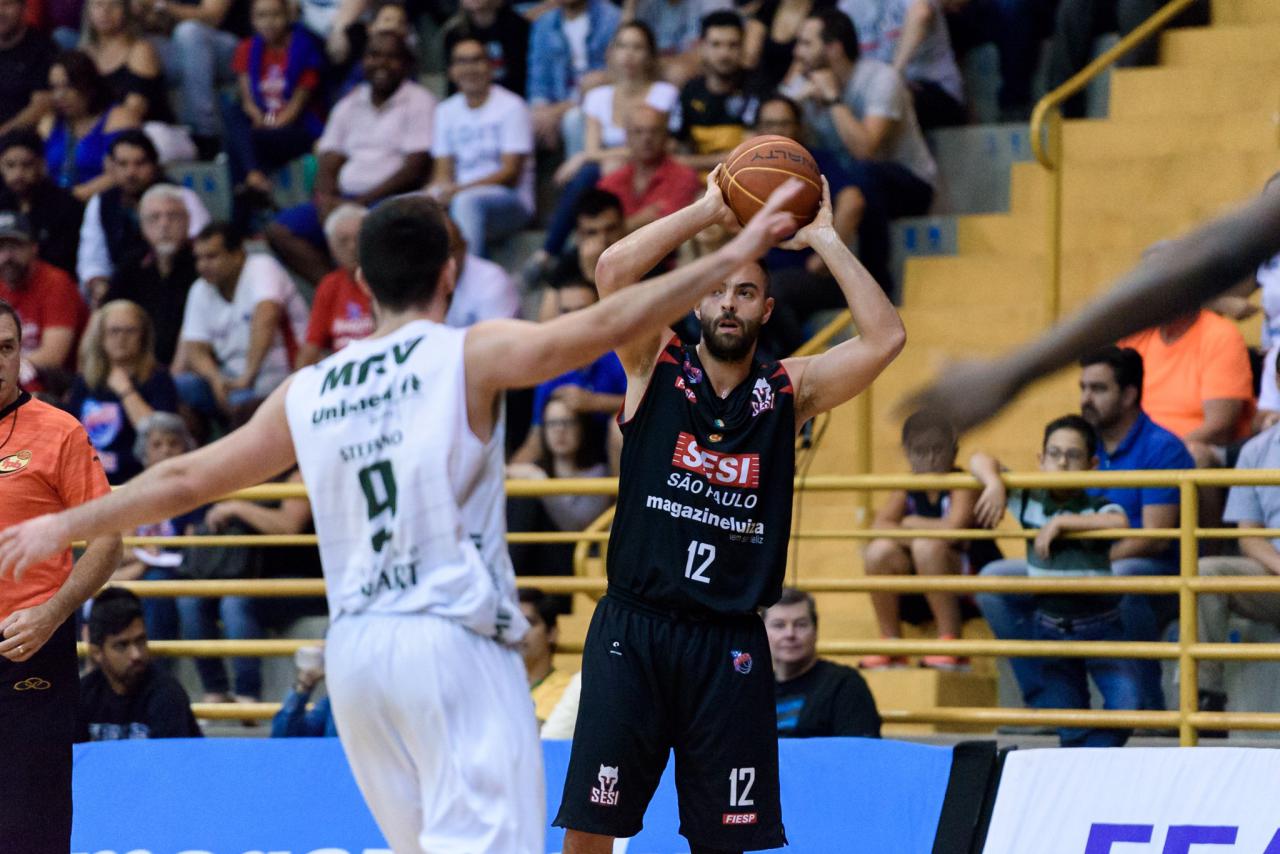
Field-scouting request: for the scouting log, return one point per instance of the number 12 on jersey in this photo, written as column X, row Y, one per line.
column 698, row 550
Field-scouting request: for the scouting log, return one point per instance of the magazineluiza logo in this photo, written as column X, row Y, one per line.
column 706, row 517
column 355, row 373
column 408, row 387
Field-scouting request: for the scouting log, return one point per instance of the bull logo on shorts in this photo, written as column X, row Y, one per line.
column 607, row 792
column 741, row 661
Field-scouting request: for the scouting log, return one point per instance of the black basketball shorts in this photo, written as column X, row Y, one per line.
column 653, row 683
column 38, row 704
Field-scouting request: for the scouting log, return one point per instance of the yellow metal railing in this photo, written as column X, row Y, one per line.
column 1046, row 136
column 1187, row 585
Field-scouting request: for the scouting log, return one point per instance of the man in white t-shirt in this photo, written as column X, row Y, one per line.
column 483, row 147
column 240, row 330
column 485, row 291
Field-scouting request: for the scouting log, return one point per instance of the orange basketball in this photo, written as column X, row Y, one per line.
column 758, row 166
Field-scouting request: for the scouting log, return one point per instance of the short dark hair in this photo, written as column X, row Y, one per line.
column 545, row 606
column 721, row 18
column 232, row 239
column 404, row 245
column 22, row 138
column 793, row 596
column 839, row 27
column 927, row 421
column 1125, row 363
column 114, row 609
column 138, row 139
column 796, row 112
column 1076, row 423
column 596, row 201
column 466, row 35
column 7, row 310
column 402, row 44
column 84, row 77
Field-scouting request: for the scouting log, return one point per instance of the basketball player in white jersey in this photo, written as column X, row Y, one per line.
column 399, row 440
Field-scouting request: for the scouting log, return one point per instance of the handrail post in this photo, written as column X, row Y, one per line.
column 1188, row 630
column 1053, row 294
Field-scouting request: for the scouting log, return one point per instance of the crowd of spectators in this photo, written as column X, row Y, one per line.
column 159, row 327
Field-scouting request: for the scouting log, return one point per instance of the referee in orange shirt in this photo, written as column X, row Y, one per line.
column 46, row 465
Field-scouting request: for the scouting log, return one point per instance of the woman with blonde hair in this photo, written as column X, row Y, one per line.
column 120, row 385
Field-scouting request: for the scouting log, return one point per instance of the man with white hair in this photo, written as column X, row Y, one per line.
column 341, row 311
column 160, row 279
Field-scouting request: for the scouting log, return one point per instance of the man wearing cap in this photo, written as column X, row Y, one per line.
column 46, row 465
column 47, row 301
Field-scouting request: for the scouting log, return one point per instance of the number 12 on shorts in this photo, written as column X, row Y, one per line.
column 695, row 571
column 746, row 778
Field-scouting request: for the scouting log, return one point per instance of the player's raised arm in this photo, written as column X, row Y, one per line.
column 504, row 354
column 245, row 457
column 827, row 380
column 631, row 258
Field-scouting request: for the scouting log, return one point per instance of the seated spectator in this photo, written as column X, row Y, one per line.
column 1080, row 22
column 1128, row 440
column 110, row 235
column 160, row 279
column 484, row 290
column 860, row 110
column 279, row 116
column 930, row 446
column 161, row 437
column 596, row 389
column 716, row 109
column 598, row 223
column 1197, row 382
column 342, row 310
column 483, row 147
column 125, row 696
column 345, row 70
column 568, row 52
column 127, row 62
column 1016, row 28
column 676, row 25
column 376, row 144
column 25, row 187
column 1248, row 507
column 546, row 684
column 25, row 57
column 233, row 365
column 295, row 720
column 651, row 184
column 48, row 303
column 78, row 133
column 120, row 385
column 816, row 697
column 240, row 617
column 505, row 34
column 633, row 65
column 772, row 30
column 570, row 448
column 196, row 40
column 1069, row 445
column 912, row 36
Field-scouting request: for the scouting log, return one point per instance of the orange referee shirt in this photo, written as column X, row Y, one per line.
column 47, row 464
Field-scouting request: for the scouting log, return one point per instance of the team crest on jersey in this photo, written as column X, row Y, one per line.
column 761, row 397
column 606, row 794
column 741, row 661
column 688, row 392
column 14, row 462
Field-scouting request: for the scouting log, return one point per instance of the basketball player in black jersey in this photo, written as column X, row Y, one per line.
column 676, row 656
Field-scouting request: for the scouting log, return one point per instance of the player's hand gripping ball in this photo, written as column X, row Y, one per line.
column 758, row 166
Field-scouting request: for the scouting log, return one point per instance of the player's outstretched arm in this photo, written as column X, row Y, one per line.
column 502, row 354
column 631, row 258
column 256, row 452
column 827, row 380
column 1178, row 279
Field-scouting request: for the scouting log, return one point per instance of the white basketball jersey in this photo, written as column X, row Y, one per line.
column 409, row 504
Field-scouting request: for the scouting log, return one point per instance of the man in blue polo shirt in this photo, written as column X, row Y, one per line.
column 1111, row 400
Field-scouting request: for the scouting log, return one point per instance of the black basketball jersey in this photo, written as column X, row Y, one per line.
column 704, row 502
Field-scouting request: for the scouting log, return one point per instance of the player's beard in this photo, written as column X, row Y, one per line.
column 730, row 347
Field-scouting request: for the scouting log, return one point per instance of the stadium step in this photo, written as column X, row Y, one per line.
column 974, row 164
column 1113, row 140
column 1246, row 12
column 1221, row 45
column 1195, row 90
